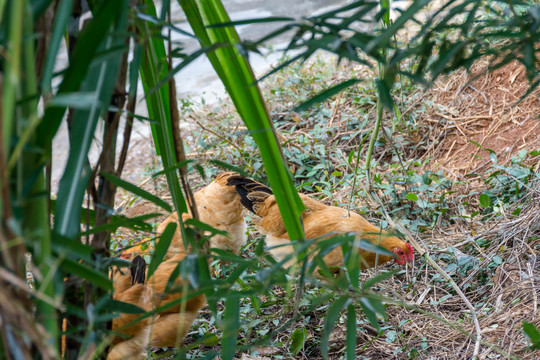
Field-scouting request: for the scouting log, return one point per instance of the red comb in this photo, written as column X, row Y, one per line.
column 411, row 252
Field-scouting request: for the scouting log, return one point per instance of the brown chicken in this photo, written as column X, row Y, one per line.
column 130, row 288
column 173, row 323
column 320, row 221
column 218, row 205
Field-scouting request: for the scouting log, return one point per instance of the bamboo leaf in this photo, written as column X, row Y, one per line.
column 268, row 19
column 60, row 23
column 325, row 94
column 350, row 340
column 88, row 44
column 152, row 70
column 161, row 248
column 137, row 191
column 330, row 319
column 100, row 80
column 84, row 272
column 123, row 307
column 371, row 308
column 240, row 83
column 378, row 278
column 230, row 326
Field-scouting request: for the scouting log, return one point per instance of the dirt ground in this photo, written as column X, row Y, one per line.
column 487, row 112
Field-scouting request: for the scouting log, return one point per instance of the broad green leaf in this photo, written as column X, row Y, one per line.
column 137, row 191
column 411, row 197
column 330, row 319
column 298, row 339
column 161, row 248
column 533, row 334
column 485, row 200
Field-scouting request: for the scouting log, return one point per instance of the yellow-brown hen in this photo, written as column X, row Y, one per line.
column 173, row 323
column 320, row 221
column 218, row 205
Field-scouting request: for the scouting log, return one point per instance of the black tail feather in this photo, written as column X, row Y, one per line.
column 138, row 270
column 245, row 186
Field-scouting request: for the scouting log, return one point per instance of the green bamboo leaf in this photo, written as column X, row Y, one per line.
column 371, row 308
column 123, row 307
column 241, row 86
column 350, row 340
column 88, row 44
column 384, row 94
column 378, row 278
column 172, row 168
column 38, row 7
column 268, row 19
column 256, row 303
column 76, row 100
column 330, row 319
column 152, row 70
column 137, row 191
column 77, row 249
column 100, row 80
column 325, row 94
column 205, row 227
column 84, row 272
column 137, row 223
column 352, row 263
column 230, row 326
column 61, row 20
column 161, row 248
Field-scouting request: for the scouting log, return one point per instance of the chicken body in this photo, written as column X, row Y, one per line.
column 173, row 323
column 320, row 221
column 218, row 205
column 133, row 343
